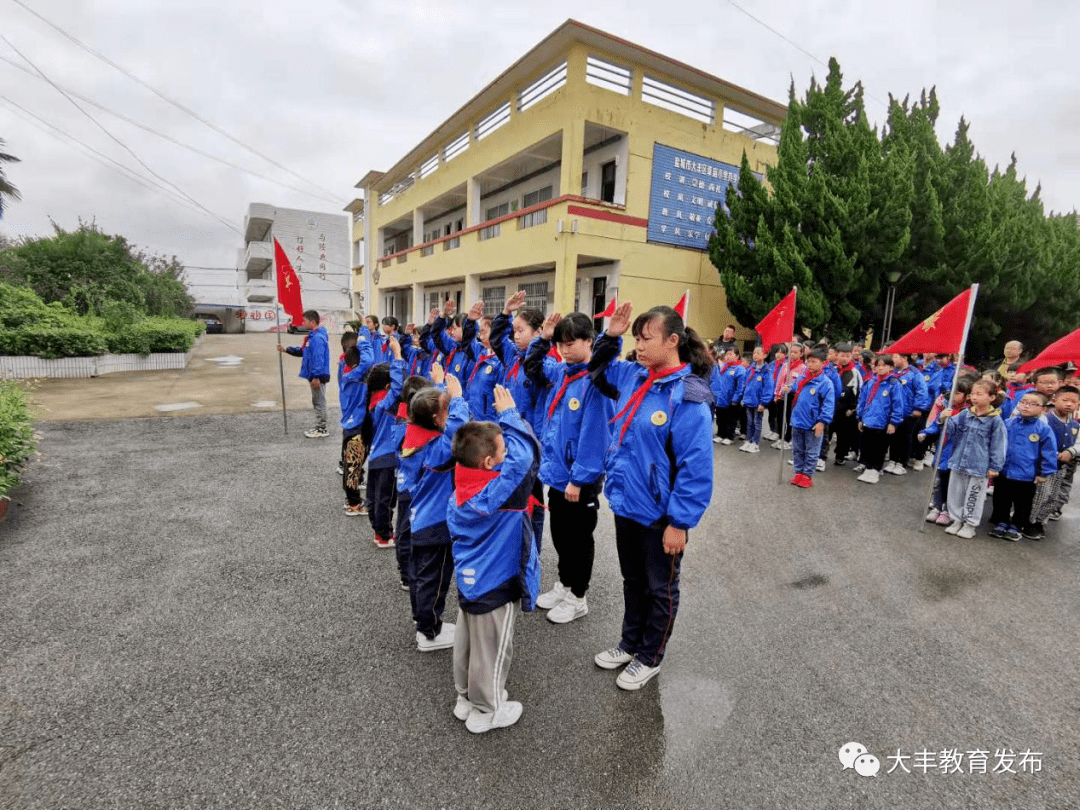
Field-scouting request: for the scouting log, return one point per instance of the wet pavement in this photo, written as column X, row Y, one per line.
column 188, row 619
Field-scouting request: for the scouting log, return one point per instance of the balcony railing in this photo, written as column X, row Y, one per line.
column 533, row 218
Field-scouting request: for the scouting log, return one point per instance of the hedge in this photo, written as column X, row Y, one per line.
column 16, row 436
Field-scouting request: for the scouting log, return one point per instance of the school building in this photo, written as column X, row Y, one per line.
column 590, row 168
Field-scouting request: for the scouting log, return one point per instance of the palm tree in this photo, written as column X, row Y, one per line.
column 7, row 190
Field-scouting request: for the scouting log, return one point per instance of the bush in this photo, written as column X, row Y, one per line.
column 16, row 436
column 155, row 335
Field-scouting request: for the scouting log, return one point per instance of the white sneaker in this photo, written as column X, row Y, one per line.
column 769, row 436
column 507, row 714
column 791, row 461
column 869, row 476
column 932, row 515
column 463, row 708
column 613, row 658
column 753, row 448
column 898, row 469
column 568, row 609
column 785, row 445
column 776, row 444
column 440, row 642
column 928, row 459
column 820, row 464
column 716, row 439
column 726, row 441
column 967, row 531
column 917, row 466
column 317, row 433
column 954, row 527
column 546, row 601
column 859, row 468
column 635, row 675
column 743, row 446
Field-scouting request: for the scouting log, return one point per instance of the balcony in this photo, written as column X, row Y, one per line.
column 260, row 291
column 259, row 220
column 257, row 257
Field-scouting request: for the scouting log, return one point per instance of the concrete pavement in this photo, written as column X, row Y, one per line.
column 187, row 619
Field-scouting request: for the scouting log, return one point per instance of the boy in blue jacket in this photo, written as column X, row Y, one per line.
column 1030, row 457
column 485, row 368
column 880, row 412
column 573, row 440
column 495, row 559
column 757, row 393
column 385, row 386
column 917, row 401
column 353, row 394
column 812, row 411
column 315, row 368
column 726, row 384
column 1048, row 495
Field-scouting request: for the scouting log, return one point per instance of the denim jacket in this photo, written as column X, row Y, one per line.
column 979, row 442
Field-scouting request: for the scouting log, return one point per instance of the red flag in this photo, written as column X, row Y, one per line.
column 941, row 333
column 1057, row 353
column 684, row 302
column 608, row 311
column 779, row 325
column 288, row 286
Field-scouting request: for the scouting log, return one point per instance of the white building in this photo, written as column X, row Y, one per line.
column 317, row 246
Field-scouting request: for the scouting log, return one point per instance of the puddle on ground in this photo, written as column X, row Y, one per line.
column 695, row 709
column 230, row 360
column 177, row 406
column 264, row 403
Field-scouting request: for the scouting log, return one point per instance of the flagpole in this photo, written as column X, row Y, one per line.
column 280, row 359
column 948, row 403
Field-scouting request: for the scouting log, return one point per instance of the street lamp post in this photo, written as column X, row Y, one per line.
column 893, row 276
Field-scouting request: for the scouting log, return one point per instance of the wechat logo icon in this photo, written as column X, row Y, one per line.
column 854, row 755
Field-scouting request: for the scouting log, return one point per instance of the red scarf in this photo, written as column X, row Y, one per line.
column 873, row 389
column 638, row 396
column 416, row 436
column 403, row 410
column 468, row 481
column 802, row 385
column 566, row 381
column 479, row 362
column 376, row 398
column 511, row 375
column 845, row 369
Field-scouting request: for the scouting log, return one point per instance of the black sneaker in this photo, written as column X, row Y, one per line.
column 840, row 462
column 998, row 531
column 1034, row 532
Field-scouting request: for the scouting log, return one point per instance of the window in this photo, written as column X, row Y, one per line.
column 494, row 299
column 536, row 296
column 498, row 211
column 584, row 184
column 536, row 197
column 599, row 294
column 532, row 218
column 607, row 182
column 433, row 301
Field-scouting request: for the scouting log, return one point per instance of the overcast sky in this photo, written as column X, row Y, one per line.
column 331, row 88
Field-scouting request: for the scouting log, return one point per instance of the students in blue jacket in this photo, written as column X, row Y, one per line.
column 812, row 409
column 757, row 393
column 353, row 395
column 484, row 367
column 402, row 529
column 659, row 469
column 416, row 356
column 384, row 384
column 1030, row 457
column 315, row 368
column 725, row 381
column 917, row 401
column 425, row 483
column 880, row 412
column 496, row 563
column 573, row 440
column 451, row 333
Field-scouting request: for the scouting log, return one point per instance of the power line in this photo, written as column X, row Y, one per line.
column 124, row 146
column 169, row 100
column 169, row 138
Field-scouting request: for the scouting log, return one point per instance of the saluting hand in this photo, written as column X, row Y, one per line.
column 476, row 311
column 620, row 321
column 514, row 302
column 548, row 329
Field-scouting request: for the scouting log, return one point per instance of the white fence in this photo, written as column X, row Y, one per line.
column 71, row 367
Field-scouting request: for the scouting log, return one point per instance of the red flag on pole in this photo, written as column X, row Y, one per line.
column 941, row 333
column 779, row 325
column 1057, row 353
column 288, row 286
column 681, row 307
column 608, row 311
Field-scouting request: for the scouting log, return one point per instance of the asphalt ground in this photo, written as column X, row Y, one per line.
column 188, row 619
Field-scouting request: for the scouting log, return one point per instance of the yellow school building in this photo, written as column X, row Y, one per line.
column 590, row 168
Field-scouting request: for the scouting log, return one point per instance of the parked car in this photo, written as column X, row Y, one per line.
column 213, row 324
column 297, row 330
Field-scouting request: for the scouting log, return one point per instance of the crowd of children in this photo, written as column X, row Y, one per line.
column 462, row 423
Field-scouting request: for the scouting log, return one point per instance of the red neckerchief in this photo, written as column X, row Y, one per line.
column 483, row 358
column 347, row 369
column 511, row 375
column 416, row 436
column 450, row 357
column 468, row 481
column 873, row 389
column 412, row 366
column 724, row 368
column 376, row 398
column 554, row 352
column 304, row 344
column 403, row 410
column 566, row 381
column 638, row 396
column 802, row 385
column 342, row 357
column 845, row 369
column 792, row 368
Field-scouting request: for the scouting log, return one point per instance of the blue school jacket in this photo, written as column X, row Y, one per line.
column 1009, row 404
column 881, row 407
column 484, row 372
column 1032, row 448
column 931, row 431
column 979, row 442
column 913, row 388
column 426, row 474
column 385, row 438
column 527, row 395
column 725, row 383
column 417, row 359
column 495, row 558
column 1064, row 432
column 829, row 370
column 660, row 465
column 352, row 390
column 314, row 354
column 945, row 378
column 931, row 375
column 455, row 359
column 757, row 386
column 816, row 401
column 576, row 421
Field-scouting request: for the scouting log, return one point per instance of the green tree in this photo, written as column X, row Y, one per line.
column 7, row 190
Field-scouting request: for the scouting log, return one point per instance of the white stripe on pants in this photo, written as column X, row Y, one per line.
column 967, row 496
column 483, row 650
